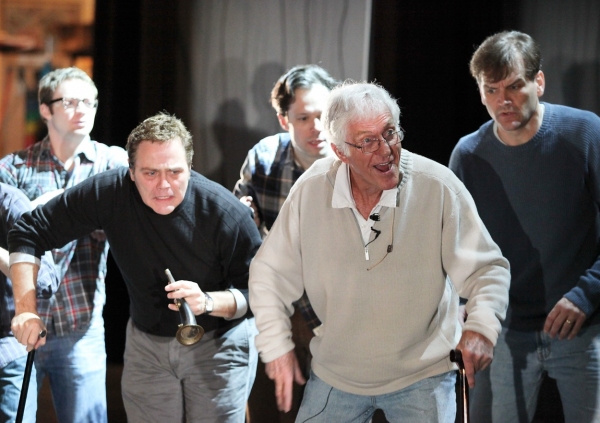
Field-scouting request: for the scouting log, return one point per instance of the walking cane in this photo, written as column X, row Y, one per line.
column 463, row 387
column 26, row 377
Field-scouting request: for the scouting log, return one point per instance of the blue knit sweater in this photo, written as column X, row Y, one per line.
column 540, row 202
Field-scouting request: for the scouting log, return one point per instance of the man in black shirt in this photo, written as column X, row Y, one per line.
column 159, row 214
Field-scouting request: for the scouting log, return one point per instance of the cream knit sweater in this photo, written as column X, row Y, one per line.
column 391, row 326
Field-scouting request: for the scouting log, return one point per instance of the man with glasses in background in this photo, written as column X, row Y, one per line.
column 383, row 241
column 74, row 357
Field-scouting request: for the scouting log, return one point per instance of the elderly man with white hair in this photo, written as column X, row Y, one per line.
column 384, row 242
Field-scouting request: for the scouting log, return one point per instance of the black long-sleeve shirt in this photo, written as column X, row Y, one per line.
column 210, row 238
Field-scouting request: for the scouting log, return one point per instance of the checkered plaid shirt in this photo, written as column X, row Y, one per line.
column 267, row 175
column 81, row 264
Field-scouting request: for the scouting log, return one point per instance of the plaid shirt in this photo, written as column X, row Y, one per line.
column 267, row 175
column 81, row 264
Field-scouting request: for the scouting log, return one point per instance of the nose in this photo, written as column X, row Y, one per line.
column 503, row 98
column 80, row 106
column 163, row 183
column 384, row 148
column 81, row 109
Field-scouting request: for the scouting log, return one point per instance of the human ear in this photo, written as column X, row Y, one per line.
column 283, row 121
column 339, row 153
column 45, row 111
column 540, row 80
column 481, row 94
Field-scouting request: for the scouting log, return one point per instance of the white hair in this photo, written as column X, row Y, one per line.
column 355, row 101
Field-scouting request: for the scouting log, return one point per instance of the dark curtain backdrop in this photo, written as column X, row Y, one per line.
column 420, row 54
column 237, row 49
column 569, row 36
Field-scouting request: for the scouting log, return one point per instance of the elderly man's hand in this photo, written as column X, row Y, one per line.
column 285, row 371
column 565, row 319
column 28, row 329
column 477, row 353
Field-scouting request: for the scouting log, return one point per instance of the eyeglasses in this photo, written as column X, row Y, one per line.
column 371, row 145
column 72, row 103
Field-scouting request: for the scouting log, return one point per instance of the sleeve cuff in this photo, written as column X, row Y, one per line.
column 242, row 304
column 23, row 258
column 577, row 297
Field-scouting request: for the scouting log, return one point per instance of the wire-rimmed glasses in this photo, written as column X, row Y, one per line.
column 72, row 103
column 371, row 145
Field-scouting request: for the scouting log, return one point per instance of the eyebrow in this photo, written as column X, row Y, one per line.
column 387, row 126
column 513, row 82
column 157, row 169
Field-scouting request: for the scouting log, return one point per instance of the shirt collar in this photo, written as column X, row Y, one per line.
column 342, row 193
column 86, row 147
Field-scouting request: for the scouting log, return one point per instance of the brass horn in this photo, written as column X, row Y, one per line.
column 189, row 331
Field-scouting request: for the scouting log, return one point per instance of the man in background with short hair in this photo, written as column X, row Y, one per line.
column 271, row 168
column 74, row 358
column 534, row 173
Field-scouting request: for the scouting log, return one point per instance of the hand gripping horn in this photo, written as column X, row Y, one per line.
column 189, row 331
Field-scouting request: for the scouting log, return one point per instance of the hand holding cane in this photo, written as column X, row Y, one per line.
column 463, row 387
column 26, row 378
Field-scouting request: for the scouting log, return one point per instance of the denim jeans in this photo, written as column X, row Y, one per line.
column 11, row 380
column 164, row 381
column 76, row 366
column 430, row 400
column 508, row 391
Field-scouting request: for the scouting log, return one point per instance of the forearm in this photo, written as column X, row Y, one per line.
column 228, row 304
column 224, row 304
column 23, row 277
column 27, row 326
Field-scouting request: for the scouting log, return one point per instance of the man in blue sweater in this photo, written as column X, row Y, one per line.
column 534, row 172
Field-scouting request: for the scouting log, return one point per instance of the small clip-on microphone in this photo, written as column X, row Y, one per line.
column 375, row 217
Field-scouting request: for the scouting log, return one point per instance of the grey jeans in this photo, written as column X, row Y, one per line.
column 164, row 381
